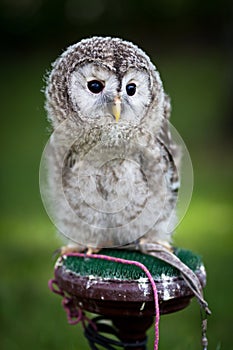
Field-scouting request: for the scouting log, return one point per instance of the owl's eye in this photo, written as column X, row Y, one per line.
column 95, row 86
column 131, row 89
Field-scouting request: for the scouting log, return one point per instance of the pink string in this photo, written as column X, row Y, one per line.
column 74, row 313
column 148, row 274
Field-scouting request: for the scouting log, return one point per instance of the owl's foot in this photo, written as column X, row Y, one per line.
column 67, row 249
column 164, row 244
column 91, row 250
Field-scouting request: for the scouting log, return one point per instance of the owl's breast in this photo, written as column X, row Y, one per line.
column 117, row 183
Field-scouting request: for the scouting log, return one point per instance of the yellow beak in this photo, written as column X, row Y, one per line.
column 116, row 108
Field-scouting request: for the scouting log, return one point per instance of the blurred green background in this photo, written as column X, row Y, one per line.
column 190, row 41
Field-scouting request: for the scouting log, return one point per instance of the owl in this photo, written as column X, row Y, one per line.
column 112, row 163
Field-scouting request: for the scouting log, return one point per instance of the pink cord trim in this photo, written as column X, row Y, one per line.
column 74, row 314
column 148, row 274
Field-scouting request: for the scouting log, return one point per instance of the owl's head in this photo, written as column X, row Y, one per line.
column 103, row 80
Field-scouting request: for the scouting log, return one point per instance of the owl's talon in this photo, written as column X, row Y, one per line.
column 65, row 250
column 92, row 251
column 57, row 253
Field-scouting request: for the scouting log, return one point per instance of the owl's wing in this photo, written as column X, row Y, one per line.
column 165, row 136
column 70, row 159
column 171, row 170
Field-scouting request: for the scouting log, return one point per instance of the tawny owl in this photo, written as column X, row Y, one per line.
column 113, row 176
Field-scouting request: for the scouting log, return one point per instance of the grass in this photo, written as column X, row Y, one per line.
column 31, row 316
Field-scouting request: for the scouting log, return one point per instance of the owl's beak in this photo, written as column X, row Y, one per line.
column 116, row 108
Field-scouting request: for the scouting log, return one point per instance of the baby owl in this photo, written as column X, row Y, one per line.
column 112, row 165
